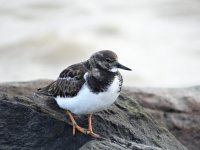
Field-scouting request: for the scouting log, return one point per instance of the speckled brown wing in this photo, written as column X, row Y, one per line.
column 68, row 84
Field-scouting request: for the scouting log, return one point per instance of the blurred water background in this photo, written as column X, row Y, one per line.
column 159, row 40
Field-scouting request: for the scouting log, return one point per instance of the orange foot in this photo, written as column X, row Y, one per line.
column 92, row 134
column 80, row 129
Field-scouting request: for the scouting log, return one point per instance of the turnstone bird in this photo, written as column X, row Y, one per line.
column 87, row 87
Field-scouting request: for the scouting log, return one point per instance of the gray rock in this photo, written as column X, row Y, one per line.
column 30, row 122
column 177, row 109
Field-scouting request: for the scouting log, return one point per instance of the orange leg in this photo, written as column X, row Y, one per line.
column 74, row 124
column 90, row 131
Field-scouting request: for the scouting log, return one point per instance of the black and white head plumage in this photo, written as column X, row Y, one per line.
column 97, row 72
column 105, row 59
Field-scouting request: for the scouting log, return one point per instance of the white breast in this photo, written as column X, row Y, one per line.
column 87, row 102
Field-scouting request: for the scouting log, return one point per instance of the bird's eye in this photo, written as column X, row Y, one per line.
column 108, row 60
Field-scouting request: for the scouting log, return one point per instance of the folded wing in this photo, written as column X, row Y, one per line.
column 68, row 84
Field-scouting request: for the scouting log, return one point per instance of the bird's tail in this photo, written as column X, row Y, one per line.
column 45, row 91
column 39, row 93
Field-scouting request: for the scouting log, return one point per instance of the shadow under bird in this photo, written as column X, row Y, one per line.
column 87, row 87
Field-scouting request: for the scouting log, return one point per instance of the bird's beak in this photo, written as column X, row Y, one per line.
column 118, row 65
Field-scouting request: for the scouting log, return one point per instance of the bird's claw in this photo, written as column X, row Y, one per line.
column 90, row 132
column 84, row 131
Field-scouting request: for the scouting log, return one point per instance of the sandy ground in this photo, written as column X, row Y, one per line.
column 159, row 40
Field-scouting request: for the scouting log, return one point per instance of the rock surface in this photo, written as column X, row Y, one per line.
column 30, row 122
column 176, row 109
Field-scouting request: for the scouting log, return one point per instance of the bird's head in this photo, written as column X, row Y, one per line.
column 106, row 60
